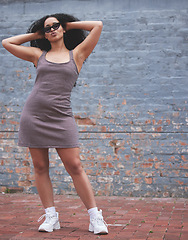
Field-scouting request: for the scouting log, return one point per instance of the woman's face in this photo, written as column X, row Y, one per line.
column 53, row 29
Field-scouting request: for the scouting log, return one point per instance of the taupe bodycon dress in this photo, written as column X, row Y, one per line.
column 47, row 120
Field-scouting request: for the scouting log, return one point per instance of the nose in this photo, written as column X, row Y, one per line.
column 51, row 28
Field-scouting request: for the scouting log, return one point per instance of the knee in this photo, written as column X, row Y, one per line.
column 41, row 169
column 75, row 168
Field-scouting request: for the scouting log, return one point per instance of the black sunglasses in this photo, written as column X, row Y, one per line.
column 55, row 26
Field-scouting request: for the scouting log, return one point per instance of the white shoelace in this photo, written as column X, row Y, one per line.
column 47, row 218
column 100, row 220
column 40, row 218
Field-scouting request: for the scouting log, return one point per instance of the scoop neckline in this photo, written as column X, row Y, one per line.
column 55, row 62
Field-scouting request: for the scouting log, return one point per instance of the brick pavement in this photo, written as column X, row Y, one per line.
column 128, row 218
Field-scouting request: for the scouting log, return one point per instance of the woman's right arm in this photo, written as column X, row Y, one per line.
column 13, row 45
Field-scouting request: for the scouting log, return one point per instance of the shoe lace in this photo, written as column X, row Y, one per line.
column 46, row 216
column 40, row 218
column 100, row 221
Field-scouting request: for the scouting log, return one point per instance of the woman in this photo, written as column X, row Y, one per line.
column 58, row 51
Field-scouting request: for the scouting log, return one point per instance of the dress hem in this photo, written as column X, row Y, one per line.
column 49, row 146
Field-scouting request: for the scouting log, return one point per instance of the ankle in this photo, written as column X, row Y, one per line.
column 50, row 210
column 93, row 212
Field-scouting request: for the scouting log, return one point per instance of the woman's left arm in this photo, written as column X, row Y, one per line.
column 84, row 49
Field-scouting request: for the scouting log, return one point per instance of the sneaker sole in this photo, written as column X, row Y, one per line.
column 56, row 227
column 44, row 230
column 99, row 233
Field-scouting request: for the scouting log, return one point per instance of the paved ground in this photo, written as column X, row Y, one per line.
column 128, row 218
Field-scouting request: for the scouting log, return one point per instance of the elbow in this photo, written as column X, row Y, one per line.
column 4, row 43
column 100, row 24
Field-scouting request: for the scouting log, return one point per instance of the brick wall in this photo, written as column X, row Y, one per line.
column 130, row 102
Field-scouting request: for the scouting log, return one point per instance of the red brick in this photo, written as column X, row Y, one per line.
column 25, row 211
column 148, row 180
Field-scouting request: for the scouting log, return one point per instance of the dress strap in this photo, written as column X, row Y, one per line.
column 72, row 59
column 71, row 55
column 42, row 56
column 43, row 53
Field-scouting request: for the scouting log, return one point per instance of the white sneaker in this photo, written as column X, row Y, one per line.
column 98, row 225
column 51, row 223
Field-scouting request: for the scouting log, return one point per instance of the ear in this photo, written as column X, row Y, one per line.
column 46, row 36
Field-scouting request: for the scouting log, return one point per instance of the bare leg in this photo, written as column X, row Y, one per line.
column 71, row 160
column 43, row 183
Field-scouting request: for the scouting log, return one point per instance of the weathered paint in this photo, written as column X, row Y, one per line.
column 130, row 102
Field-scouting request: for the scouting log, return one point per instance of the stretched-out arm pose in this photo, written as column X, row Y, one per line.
column 58, row 50
column 32, row 54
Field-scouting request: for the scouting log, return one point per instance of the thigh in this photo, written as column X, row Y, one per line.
column 69, row 156
column 40, row 157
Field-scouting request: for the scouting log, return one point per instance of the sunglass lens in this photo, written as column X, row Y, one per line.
column 47, row 29
column 56, row 26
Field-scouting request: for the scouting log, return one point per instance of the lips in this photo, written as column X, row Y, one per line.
column 53, row 34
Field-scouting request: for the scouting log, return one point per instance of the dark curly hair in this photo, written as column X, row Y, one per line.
column 72, row 37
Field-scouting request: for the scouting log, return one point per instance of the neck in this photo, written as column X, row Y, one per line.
column 58, row 46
